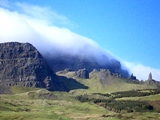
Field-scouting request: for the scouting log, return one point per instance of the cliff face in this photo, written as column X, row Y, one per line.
column 61, row 61
column 21, row 64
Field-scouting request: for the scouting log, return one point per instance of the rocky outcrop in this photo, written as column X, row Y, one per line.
column 61, row 61
column 151, row 81
column 104, row 76
column 22, row 64
column 102, row 73
column 82, row 73
column 150, row 76
column 132, row 77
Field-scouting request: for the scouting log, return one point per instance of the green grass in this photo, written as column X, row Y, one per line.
column 144, row 98
column 20, row 89
column 40, row 104
column 42, row 115
column 62, row 106
column 112, row 84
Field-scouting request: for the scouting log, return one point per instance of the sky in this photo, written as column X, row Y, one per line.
column 127, row 29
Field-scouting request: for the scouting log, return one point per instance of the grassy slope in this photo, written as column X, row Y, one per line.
column 118, row 84
column 113, row 84
column 39, row 104
column 147, row 98
column 60, row 105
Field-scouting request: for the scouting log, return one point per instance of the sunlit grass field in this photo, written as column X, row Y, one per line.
column 62, row 106
column 36, row 105
column 40, row 104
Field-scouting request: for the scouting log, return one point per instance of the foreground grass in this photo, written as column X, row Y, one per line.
column 59, row 106
column 39, row 104
column 144, row 98
column 43, row 105
column 32, row 116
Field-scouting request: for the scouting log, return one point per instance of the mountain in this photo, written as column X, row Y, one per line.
column 61, row 61
column 92, row 92
column 22, row 64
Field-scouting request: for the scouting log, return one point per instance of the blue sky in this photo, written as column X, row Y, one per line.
column 129, row 29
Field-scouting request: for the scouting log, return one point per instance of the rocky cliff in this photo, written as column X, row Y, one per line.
column 74, row 62
column 82, row 73
column 22, row 64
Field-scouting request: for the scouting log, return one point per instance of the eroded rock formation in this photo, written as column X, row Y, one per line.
column 82, row 73
column 150, row 76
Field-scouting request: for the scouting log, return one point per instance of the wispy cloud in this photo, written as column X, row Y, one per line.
column 44, row 14
column 37, row 25
column 141, row 71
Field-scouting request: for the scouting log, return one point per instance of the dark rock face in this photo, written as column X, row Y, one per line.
column 132, row 77
column 21, row 64
column 82, row 73
column 74, row 62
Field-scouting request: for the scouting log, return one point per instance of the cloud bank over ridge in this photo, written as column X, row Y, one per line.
column 38, row 26
column 47, row 30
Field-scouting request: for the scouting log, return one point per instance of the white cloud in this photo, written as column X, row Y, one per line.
column 43, row 14
column 38, row 26
column 142, row 71
column 41, row 27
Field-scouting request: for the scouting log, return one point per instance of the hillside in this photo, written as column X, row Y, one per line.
column 21, row 64
column 60, row 61
column 38, row 104
column 103, row 81
column 100, row 94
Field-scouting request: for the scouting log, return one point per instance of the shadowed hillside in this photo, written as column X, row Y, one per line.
column 61, row 61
